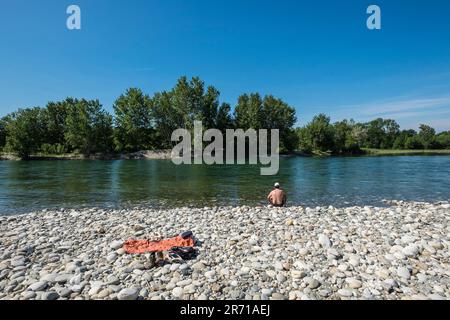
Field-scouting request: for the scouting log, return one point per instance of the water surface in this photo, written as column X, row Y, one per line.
column 338, row 181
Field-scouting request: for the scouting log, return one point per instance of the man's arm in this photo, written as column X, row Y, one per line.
column 269, row 197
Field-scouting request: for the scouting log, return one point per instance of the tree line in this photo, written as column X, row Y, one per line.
column 140, row 122
column 144, row 122
column 348, row 136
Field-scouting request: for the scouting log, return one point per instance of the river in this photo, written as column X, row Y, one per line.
column 337, row 181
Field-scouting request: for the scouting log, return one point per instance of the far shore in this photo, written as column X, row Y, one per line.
column 166, row 155
column 148, row 154
column 395, row 152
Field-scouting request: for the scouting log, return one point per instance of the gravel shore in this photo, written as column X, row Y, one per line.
column 397, row 252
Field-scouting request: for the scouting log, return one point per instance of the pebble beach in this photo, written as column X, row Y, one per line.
column 400, row 251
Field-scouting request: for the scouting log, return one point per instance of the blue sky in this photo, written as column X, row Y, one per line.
column 316, row 55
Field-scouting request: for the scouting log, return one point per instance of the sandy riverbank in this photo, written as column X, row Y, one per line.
column 398, row 252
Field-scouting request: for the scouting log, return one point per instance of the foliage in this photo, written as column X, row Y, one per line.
column 142, row 122
column 3, row 123
column 346, row 137
column 413, row 143
column 268, row 113
column 318, row 134
column 25, row 131
column 248, row 112
column 381, row 133
column 427, row 136
column 89, row 127
column 400, row 140
column 224, row 120
column 133, row 121
column 53, row 148
column 443, row 140
column 55, row 114
column 187, row 102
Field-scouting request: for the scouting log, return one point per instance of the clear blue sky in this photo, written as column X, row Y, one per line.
column 316, row 55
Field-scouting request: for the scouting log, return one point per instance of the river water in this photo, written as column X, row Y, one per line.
column 337, row 181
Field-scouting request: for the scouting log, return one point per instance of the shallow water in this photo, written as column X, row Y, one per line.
column 338, row 181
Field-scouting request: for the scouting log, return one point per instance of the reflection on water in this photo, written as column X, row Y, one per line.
column 25, row 186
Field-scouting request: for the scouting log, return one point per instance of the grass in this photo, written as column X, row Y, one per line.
column 386, row 152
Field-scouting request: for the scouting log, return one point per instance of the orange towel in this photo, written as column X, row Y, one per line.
column 143, row 246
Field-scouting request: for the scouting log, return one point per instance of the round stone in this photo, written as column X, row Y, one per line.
column 324, row 241
column 116, row 244
column 128, row 294
column 403, row 272
column 177, row 292
column 38, row 286
column 354, row 283
column 345, row 293
column 411, row 250
column 49, row 295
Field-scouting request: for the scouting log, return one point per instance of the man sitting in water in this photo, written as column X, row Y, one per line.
column 277, row 197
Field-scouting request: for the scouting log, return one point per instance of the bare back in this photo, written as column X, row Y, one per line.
column 277, row 197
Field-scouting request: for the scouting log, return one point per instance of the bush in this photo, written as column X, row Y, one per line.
column 444, row 139
column 25, row 132
column 53, row 148
column 2, row 133
column 413, row 143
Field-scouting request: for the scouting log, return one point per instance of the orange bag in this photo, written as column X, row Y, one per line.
column 144, row 246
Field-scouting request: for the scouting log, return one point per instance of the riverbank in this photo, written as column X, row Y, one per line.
column 397, row 252
column 146, row 154
column 166, row 155
column 392, row 152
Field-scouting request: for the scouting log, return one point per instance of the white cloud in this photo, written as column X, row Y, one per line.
column 407, row 111
column 395, row 107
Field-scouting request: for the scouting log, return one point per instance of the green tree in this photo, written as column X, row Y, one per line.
column 391, row 131
column 443, row 139
column 26, row 131
column 400, row 141
column 381, row 133
column 167, row 119
column 342, row 131
column 413, row 143
column 304, row 140
column 3, row 122
column 427, row 136
column 248, row 111
column 276, row 114
column 190, row 101
column 187, row 102
column 319, row 133
column 289, row 141
column 224, row 120
column 375, row 133
column 269, row 113
column 89, row 127
column 133, row 121
column 210, row 108
column 54, row 118
column 345, row 140
column 358, row 135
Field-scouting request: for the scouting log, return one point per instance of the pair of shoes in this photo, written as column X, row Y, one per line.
column 184, row 253
column 173, row 257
